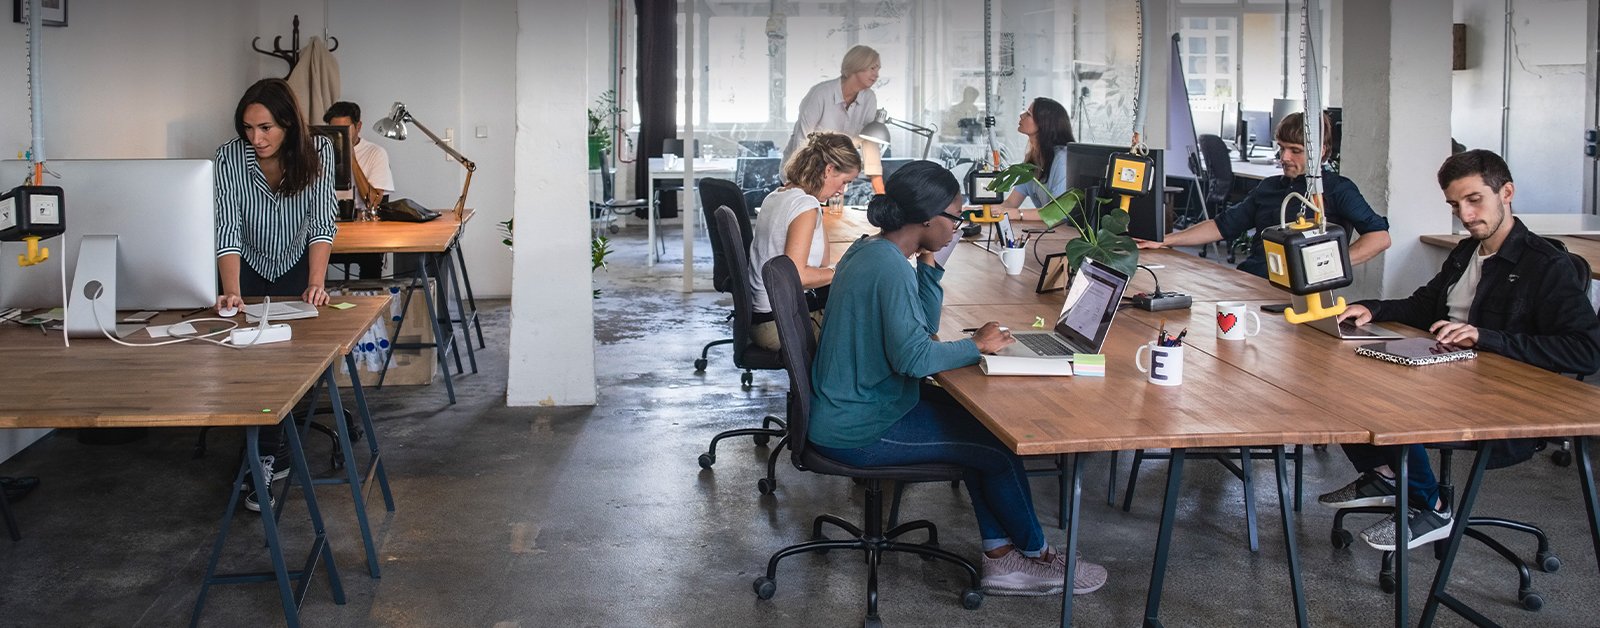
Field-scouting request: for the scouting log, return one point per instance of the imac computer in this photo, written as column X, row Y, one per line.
column 344, row 184
column 1255, row 130
column 1086, row 170
column 146, row 227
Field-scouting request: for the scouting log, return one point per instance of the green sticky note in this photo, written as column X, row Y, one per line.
column 1038, row 321
column 342, row 306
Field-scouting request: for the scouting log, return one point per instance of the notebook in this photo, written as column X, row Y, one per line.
column 280, row 311
column 1085, row 319
column 1415, row 351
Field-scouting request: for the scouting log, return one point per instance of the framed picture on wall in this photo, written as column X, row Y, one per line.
column 51, row 12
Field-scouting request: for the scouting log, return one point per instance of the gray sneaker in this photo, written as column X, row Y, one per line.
column 1015, row 574
column 1427, row 526
column 1370, row 489
column 1087, row 578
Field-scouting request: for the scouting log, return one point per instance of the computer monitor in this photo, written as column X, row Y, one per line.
column 1086, row 170
column 1255, row 129
column 161, row 212
column 340, row 136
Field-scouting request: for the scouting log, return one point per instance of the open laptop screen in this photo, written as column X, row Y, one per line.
column 1091, row 305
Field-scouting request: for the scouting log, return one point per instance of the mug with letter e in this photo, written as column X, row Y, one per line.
column 1166, row 363
column 1231, row 320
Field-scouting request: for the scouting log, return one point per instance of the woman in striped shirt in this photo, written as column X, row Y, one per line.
column 274, row 200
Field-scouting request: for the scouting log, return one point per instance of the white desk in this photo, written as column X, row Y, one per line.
column 1257, row 169
column 703, row 167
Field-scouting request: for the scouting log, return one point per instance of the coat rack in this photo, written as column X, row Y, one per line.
column 292, row 53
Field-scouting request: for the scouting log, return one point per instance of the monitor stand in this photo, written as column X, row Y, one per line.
column 92, row 303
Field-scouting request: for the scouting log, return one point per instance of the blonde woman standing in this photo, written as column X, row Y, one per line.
column 842, row 105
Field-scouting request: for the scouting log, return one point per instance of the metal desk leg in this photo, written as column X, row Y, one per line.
column 439, row 340
column 1402, row 538
column 472, row 301
column 1111, row 480
column 1169, row 511
column 302, row 472
column 394, row 336
column 449, row 265
column 441, row 300
column 1441, row 578
column 1584, row 454
column 1286, row 508
column 1247, row 474
column 375, row 470
column 352, row 474
column 1074, row 467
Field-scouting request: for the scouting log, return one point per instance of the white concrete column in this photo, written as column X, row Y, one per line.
column 552, row 311
column 1397, row 131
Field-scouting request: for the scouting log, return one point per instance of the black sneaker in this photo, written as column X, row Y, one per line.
column 1370, row 489
column 1427, row 526
column 280, row 470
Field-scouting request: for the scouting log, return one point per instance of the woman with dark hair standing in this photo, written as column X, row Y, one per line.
column 1049, row 130
column 275, row 208
column 870, row 407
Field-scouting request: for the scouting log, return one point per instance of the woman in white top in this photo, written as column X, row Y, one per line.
column 790, row 223
column 842, row 105
column 1049, row 130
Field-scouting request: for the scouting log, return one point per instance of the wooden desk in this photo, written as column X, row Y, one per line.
column 386, row 236
column 1585, row 246
column 974, row 276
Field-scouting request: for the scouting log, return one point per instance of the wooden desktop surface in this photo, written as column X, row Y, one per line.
column 385, row 236
column 97, row 383
column 1053, row 415
column 1585, row 246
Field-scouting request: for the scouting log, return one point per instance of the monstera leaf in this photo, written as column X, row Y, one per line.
column 1104, row 236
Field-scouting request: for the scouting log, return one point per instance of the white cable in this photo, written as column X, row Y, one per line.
column 176, row 338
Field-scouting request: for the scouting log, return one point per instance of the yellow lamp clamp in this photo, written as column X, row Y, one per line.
column 1307, row 258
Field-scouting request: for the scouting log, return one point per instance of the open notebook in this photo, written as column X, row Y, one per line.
column 280, row 311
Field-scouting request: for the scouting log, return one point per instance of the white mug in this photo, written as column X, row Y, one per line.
column 1013, row 259
column 1232, row 317
column 1166, row 363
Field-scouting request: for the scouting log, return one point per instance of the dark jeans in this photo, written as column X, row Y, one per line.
column 291, row 284
column 1424, row 487
column 939, row 430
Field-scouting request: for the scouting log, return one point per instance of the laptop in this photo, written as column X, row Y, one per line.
column 1345, row 330
column 1085, row 319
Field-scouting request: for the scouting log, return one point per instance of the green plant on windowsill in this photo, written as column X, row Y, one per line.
column 599, row 248
column 1102, row 235
column 605, row 108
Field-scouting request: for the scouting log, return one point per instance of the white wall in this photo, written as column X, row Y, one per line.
column 1547, row 96
column 123, row 80
column 552, row 325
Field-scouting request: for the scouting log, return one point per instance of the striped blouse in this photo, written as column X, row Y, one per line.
column 270, row 232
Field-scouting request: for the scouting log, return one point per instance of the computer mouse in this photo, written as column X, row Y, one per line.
column 228, row 312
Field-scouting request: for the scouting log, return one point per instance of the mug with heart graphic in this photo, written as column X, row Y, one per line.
column 1231, row 320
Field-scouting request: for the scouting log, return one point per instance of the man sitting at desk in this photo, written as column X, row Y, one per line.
column 1504, row 290
column 373, row 179
column 1262, row 207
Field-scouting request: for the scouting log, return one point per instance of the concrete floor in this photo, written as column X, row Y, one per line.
column 601, row 516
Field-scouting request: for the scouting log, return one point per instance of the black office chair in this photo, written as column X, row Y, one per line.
column 799, row 346
column 1544, row 559
column 746, row 355
column 721, row 193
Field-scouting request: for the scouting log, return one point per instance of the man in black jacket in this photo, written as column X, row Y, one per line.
column 1504, row 290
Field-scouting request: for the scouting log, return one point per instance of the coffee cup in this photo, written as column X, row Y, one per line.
column 1013, row 259
column 1166, row 363
column 1233, row 320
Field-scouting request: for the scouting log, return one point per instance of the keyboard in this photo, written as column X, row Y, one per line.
column 1044, row 344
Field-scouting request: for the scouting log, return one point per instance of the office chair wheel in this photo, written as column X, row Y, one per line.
column 1548, row 562
column 746, row 379
column 1530, row 601
column 1341, row 538
column 971, row 599
column 764, row 587
column 699, row 366
column 613, row 228
column 1561, row 458
column 1386, row 582
column 761, row 439
column 766, row 485
column 706, row 460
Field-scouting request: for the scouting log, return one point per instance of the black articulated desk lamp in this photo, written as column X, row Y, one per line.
column 393, row 127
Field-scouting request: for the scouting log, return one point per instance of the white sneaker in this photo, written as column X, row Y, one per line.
column 1016, row 574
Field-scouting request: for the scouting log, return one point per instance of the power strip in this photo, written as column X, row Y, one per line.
column 1162, row 301
column 275, row 332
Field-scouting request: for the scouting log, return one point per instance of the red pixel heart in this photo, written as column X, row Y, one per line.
column 1225, row 322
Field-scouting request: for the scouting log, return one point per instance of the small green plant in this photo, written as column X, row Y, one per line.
column 1102, row 235
column 600, row 114
column 599, row 247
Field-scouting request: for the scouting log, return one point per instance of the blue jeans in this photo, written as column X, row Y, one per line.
column 939, row 430
column 1424, row 486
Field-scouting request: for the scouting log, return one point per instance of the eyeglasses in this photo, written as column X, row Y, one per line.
column 955, row 219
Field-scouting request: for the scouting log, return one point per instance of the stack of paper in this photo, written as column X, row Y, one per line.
column 280, row 311
column 1089, row 364
column 1013, row 365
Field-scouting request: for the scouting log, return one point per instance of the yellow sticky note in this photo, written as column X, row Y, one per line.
column 342, row 306
column 1038, row 321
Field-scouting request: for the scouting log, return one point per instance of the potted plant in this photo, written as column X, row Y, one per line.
column 1102, row 235
column 599, row 247
column 600, row 115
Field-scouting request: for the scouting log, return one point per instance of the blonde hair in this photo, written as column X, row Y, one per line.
column 856, row 59
column 808, row 166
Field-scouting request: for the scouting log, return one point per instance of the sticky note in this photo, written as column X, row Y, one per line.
column 1038, row 321
column 342, row 306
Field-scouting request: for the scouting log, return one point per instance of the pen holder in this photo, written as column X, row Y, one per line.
column 1166, row 363
column 1012, row 259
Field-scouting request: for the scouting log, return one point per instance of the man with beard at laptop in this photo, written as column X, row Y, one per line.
column 1504, row 290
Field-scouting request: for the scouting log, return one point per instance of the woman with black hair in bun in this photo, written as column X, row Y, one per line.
column 870, row 407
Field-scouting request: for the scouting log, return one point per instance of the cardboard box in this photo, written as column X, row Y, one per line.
column 408, row 367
